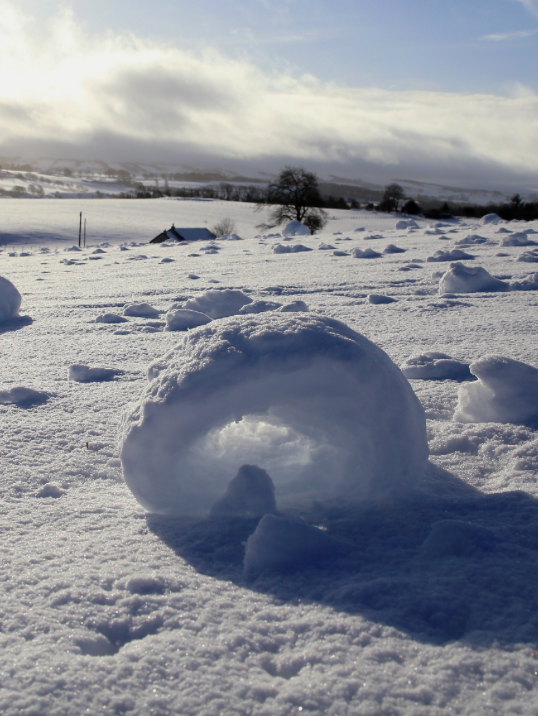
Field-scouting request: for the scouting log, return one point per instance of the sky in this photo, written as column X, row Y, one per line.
column 371, row 89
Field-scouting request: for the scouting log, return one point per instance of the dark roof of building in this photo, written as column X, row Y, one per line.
column 186, row 234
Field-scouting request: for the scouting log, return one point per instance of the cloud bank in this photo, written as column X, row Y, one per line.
column 123, row 98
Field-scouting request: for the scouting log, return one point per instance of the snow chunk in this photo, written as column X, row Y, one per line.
column 379, row 298
column 435, row 366
column 296, row 248
column 141, row 310
column 218, row 304
column 453, row 255
column 471, row 240
column 110, row 318
column 306, row 397
column 50, row 490
column 250, row 494
column 281, row 545
column 520, row 238
column 490, row 219
column 406, row 224
column 392, row 249
column 294, row 307
column 325, row 247
column 530, row 257
column 454, row 538
column 464, row 279
column 183, row 319
column 365, row 254
column 10, row 300
column 22, row 396
column 529, row 283
column 506, row 392
column 295, row 228
column 259, row 307
column 230, row 237
column 85, row 374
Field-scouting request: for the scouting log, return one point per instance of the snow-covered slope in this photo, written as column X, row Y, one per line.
column 421, row 603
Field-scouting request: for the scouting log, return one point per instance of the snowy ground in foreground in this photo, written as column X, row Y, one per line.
column 107, row 609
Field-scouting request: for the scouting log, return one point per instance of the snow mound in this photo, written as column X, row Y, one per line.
column 340, row 253
column 141, row 310
column 530, row 257
column 379, row 298
column 454, row 538
column 219, row 304
column 22, row 396
column 295, row 228
column 282, row 545
column 259, row 307
column 435, row 366
column 453, row 255
column 529, row 283
column 250, row 494
column 325, row 247
column 10, row 300
column 306, row 397
column 471, row 240
column 466, row 279
column 85, row 374
column 296, row 248
column 110, row 318
column 98, row 251
column 294, row 307
column 73, row 248
column 183, row 319
column 365, row 254
column 406, row 224
column 166, row 260
column 490, row 219
column 230, row 237
column 520, row 238
column 392, row 249
column 506, row 392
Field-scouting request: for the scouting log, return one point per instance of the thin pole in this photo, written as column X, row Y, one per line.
column 84, row 233
column 80, row 230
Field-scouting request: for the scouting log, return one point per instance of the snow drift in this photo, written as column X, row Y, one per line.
column 10, row 300
column 506, row 392
column 317, row 405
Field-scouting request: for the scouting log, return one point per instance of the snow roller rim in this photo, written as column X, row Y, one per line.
column 316, row 374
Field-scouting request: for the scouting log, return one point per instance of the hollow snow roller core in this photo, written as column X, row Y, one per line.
column 319, row 406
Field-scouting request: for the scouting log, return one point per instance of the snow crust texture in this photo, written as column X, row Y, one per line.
column 10, row 300
column 506, row 392
column 321, row 408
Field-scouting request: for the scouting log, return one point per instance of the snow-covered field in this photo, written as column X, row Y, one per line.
column 421, row 601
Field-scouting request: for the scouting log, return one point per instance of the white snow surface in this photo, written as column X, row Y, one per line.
column 234, row 390
column 108, row 609
column 10, row 300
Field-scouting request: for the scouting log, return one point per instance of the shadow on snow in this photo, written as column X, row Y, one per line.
column 490, row 595
column 15, row 324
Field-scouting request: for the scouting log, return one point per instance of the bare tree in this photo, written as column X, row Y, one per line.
column 393, row 198
column 294, row 195
column 223, row 227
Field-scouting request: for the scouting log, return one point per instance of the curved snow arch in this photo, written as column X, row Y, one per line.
column 318, row 405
